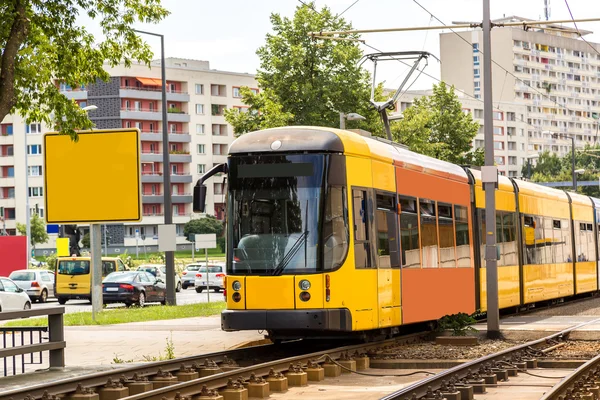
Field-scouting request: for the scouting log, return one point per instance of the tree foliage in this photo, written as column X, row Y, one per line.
column 552, row 168
column 304, row 81
column 208, row 224
column 436, row 126
column 38, row 230
column 42, row 43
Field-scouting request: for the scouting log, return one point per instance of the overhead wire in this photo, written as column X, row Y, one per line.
column 578, row 31
column 495, row 63
column 349, row 7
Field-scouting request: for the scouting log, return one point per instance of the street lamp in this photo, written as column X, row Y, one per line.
column 349, row 117
column 169, row 255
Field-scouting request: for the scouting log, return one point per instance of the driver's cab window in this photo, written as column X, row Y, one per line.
column 121, row 266
column 9, row 286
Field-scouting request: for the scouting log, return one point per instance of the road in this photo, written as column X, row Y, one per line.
column 188, row 296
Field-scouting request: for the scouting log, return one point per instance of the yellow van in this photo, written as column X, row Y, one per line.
column 73, row 277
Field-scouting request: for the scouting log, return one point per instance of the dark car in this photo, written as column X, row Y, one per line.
column 133, row 287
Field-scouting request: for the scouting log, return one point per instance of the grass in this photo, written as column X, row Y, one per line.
column 124, row 315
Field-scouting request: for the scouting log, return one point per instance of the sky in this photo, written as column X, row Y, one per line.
column 227, row 34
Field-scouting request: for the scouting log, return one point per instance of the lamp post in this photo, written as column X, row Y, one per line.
column 349, row 117
column 169, row 255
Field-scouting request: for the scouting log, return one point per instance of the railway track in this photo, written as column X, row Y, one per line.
column 583, row 383
column 472, row 377
column 200, row 374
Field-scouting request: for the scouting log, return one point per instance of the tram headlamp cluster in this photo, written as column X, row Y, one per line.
column 305, row 296
column 304, row 284
column 236, row 285
column 236, row 297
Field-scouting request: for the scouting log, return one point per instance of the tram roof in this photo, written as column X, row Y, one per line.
column 581, row 199
column 532, row 189
column 310, row 138
column 504, row 183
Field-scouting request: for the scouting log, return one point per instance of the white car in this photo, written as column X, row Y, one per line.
column 12, row 297
column 211, row 280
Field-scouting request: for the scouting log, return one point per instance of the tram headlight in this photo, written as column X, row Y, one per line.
column 236, row 285
column 305, row 296
column 304, row 284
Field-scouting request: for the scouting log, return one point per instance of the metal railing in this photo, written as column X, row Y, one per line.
column 22, row 346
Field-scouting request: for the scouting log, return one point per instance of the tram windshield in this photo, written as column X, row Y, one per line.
column 275, row 207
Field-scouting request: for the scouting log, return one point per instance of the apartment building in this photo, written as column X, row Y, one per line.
column 199, row 137
column 548, row 69
column 510, row 129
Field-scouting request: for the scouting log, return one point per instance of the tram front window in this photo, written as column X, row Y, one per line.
column 275, row 205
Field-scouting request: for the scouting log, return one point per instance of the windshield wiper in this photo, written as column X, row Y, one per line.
column 290, row 254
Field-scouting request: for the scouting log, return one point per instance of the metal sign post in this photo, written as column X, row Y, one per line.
column 96, row 268
column 206, row 241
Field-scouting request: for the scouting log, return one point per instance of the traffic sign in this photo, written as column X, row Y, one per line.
column 94, row 180
column 205, row 241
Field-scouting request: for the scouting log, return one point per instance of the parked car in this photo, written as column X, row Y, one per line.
column 133, row 287
column 160, row 271
column 37, row 263
column 213, row 279
column 12, row 297
column 38, row 284
column 188, row 276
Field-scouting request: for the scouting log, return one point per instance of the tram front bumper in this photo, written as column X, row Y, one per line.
column 338, row 319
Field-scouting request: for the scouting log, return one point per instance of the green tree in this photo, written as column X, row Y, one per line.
column 85, row 241
column 437, row 126
column 304, row 81
column 208, row 224
column 548, row 164
column 38, row 230
column 42, row 44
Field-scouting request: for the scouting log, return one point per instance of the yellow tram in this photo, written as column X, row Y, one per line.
column 331, row 233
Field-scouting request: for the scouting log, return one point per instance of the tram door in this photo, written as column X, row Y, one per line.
column 388, row 259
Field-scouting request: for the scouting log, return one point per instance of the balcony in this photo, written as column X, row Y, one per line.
column 141, row 113
column 175, row 137
column 7, row 161
column 152, row 94
column 181, row 198
column 6, row 139
column 152, row 157
column 181, row 177
column 8, row 181
column 152, row 177
column 180, row 156
column 75, row 94
column 156, row 198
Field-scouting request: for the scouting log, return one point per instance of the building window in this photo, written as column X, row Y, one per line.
column 36, row 191
column 499, row 160
column 34, row 170
column 477, row 84
column 200, row 129
column 476, row 72
column 475, row 47
column 477, row 96
column 475, row 60
column 219, row 149
column 33, row 128
column 498, row 115
column 33, row 149
column 236, row 92
column 200, row 109
column 499, row 145
column 201, row 168
column 498, row 130
column 218, row 188
column 201, row 149
column 199, row 88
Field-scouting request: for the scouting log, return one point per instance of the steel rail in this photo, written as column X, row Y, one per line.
column 421, row 387
column 194, row 387
column 99, row 379
column 574, row 382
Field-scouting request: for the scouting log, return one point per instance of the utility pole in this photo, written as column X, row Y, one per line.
column 573, row 163
column 489, row 178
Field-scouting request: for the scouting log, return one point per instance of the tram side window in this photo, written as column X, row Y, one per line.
column 565, row 229
column 529, row 239
column 387, row 238
column 482, row 235
column 409, row 232
column 446, row 233
column 557, row 242
column 591, row 245
column 581, row 241
column 506, row 235
column 335, row 228
column 463, row 247
column 549, row 241
column 362, row 249
column 540, row 243
column 429, row 240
